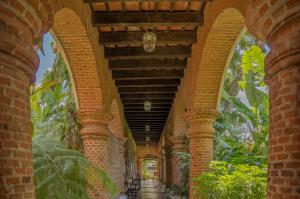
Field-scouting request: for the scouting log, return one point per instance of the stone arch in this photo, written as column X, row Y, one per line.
column 203, row 78
column 216, row 55
column 116, row 124
column 72, row 36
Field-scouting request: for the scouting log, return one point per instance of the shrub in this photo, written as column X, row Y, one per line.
column 227, row 181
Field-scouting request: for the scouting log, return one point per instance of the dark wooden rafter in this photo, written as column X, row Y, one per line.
column 147, row 64
column 142, row 115
column 147, row 82
column 141, row 101
column 166, row 89
column 136, row 38
column 147, row 18
column 141, row 75
column 148, row 96
column 137, row 110
column 154, row 74
column 153, row 105
column 139, row 52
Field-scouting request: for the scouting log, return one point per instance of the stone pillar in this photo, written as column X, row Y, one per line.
column 21, row 23
column 169, row 165
column 122, row 141
column 278, row 24
column 94, row 133
column 177, row 146
column 162, row 160
column 201, row 137
column 140, row 167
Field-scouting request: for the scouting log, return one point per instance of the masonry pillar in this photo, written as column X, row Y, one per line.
column 94, row 133
column 169, row 165
column 122, row 141
column 20, row 24
column 140, row 164
column 164, row 167
column 278, row 23
column 201, row 138
column 177, row 146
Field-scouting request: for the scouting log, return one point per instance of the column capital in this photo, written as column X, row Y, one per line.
column 200, row 123
column 94, row 122
column 177, row 143
column 278, row 24
column 201, row 115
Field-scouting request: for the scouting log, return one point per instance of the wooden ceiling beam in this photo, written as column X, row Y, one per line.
column 153, row 74
column 136, row 38
column 142, row 106
column 147, row 18
column 147, row 64
column 147, row 82
column 137, row 110
column 148, row 96
column 167, row 89
column 139, row 52
column 141, row 101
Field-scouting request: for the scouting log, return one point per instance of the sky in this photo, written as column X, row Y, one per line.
column 46, row 61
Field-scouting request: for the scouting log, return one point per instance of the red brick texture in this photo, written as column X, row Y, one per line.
column 77, row 48
column 278, row 23
column 201, row 136
column 20, row 25
column 95, row 135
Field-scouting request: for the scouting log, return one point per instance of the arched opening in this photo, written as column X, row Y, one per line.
column 75, row 54
column 77, row 48
column 216, row 54
column 150, row 168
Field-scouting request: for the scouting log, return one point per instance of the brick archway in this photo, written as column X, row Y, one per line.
column 215, row 57
column 72, row 35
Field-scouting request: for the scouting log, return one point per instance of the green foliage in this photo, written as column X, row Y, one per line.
column 64, row 173
column 226, row 181
column 53, row 107
column 60, row 169
column 242, row 130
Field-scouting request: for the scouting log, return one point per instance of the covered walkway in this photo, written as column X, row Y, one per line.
column 145, row 76
column 150, row 190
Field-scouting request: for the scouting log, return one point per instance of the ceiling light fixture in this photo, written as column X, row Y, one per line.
column 147, row 105
column 149, row 41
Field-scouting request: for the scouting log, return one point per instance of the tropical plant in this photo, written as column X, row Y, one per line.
column 53, row 107
column 62, row 173
column 228, row 181
column 241, row 131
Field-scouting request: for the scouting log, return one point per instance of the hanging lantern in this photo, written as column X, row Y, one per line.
column 149, row 41
column 147, row 128
column 147, row 139
column 147, row 105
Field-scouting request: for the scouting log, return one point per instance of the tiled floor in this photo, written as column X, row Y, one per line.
column 149, row 190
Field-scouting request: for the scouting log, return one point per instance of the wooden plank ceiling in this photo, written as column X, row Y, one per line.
column 139, row 75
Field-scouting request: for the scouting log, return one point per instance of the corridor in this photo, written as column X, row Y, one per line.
column 150, row 190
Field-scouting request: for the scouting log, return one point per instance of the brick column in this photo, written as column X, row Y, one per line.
column 20, row 23
column 140, row 162
column 201, row 137
column 169, row 165
column 278, row 23
column 122, row 141
column 94, row 133
column 177, row 146
column 164, row 167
